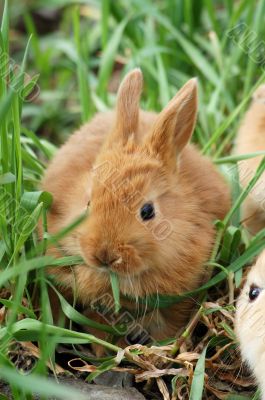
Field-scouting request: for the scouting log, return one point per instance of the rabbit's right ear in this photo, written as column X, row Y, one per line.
column 127, row 108
column 174, row 125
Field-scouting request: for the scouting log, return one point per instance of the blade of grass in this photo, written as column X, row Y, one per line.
column 107, row 60
column 114, row 280
column 82, row 72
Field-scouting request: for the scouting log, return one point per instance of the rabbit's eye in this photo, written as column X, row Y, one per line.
column 147, row 211
column 88, row 204
column 254, row 292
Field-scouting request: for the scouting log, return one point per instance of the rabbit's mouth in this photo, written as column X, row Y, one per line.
column 124, row 259
column 126, row 271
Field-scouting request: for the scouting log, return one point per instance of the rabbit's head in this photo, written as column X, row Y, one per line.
column 250, row 320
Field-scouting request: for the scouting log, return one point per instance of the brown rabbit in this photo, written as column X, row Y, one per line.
column 251, row 138
column 152, row 199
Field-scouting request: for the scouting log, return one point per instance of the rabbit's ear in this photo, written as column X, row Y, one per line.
column 127, row 109
column 175, row 124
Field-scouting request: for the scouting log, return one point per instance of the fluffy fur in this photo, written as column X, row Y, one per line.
column 250, row 315
column 116, row 163
column 250, row 322
column 251, row 138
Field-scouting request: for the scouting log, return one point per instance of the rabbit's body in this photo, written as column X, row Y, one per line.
column 251, row 138
column 250, row 313
column 121, row 168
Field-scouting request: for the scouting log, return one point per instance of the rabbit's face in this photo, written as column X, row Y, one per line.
column 250, row 315
column 128, row 212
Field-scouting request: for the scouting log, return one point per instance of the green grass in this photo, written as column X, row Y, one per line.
column 75, row 66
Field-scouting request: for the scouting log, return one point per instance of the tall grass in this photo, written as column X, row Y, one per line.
column 76, row 66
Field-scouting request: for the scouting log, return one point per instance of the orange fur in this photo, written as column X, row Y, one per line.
column 119, row 161
column 251, row 138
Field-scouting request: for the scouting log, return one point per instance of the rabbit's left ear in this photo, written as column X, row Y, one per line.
column 127, row 108
column 175, row 124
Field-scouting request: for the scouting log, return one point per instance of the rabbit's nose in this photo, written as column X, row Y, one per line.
column 105, row 257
